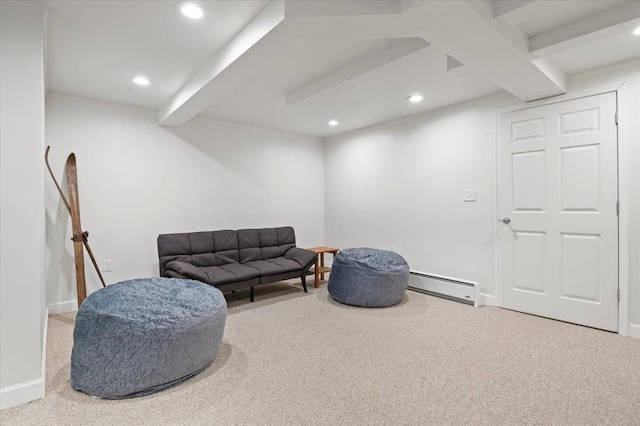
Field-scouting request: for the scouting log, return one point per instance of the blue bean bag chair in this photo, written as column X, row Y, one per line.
column 140, row 336
column 368, row 277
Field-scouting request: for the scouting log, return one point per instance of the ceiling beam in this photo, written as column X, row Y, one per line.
column 237, row 61
column 510, row 13
column 336, row 28
column 337, row 81
column 463, row 32
column 314, row 8
column 612, row 22
column 32, row 6
column 333, row 20
column 348, row 20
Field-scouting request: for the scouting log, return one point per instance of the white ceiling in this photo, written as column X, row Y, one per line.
column 603, row 52
column 376, row 97
column 558, row 13
column 95, row 48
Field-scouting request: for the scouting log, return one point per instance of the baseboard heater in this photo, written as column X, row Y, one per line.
column 449, row 288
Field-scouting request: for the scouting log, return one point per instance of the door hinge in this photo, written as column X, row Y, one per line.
column 616, row 118
column 618, row 208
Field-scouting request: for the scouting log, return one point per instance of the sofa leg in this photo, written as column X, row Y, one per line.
column 251, row 294
column 304, row 282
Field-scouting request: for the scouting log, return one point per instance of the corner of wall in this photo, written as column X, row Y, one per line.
column 63, row 307
column 324, row 192
column 488, row 300
column 634, row 331
column 23, row 137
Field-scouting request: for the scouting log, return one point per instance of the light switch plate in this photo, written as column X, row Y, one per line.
column 106, row 265
column 469, row 195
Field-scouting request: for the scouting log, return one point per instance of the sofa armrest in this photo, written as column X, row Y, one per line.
column 187, row 270
column 305, row 258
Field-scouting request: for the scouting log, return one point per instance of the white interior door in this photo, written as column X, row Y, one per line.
column 558, row 185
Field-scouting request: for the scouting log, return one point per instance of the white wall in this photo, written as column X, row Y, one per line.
column 22, row 208
column 401, row 184
column 138, row 180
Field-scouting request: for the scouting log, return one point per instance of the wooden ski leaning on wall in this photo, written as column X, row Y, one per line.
column 80, row 238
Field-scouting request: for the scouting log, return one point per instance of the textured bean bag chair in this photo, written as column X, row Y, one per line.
column 138, row 337
column 368, row 277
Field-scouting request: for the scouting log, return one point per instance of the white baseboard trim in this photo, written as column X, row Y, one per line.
column 488, row 299
column 63, row 307
column 22, row 393
column 11, row 396
column 634, row 331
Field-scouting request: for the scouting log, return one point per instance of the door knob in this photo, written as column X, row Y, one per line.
column 506, row 220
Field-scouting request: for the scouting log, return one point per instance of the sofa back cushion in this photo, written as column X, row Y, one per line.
column 199, row 248
column 265, row 243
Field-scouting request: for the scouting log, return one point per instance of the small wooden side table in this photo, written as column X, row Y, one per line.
column 320, row 269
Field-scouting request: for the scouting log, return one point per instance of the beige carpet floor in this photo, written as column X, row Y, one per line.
column 303, row 359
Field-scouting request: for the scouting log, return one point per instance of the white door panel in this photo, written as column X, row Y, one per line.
column 558, row 186
column 528, row 181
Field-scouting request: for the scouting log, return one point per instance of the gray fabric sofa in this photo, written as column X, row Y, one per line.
column 233, row 260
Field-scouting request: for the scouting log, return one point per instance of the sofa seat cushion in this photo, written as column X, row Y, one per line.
column 185, row 270
column 305, row 258
column 213, row 274
column 229, row 273
column 277, row 265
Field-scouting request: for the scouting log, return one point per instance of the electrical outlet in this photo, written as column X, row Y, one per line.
column 106, row 265
column 469, row 195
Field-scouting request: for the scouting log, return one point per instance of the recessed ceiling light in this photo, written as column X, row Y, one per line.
column 333, row 123
column 190, row 9
column 637, row 31
column 141, row 81
column 415, row 98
